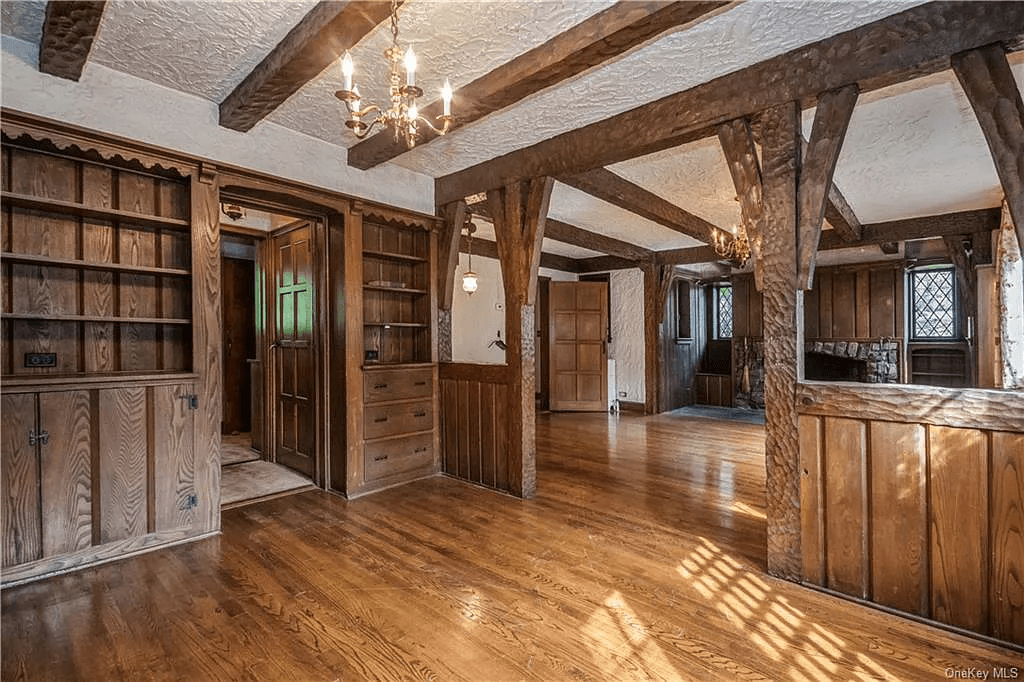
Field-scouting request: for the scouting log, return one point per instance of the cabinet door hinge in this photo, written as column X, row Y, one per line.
column 192, row 400
column 38, row 438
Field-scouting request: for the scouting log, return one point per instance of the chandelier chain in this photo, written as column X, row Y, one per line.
column 394, row 22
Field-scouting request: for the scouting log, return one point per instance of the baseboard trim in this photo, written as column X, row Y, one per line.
column 631, row 407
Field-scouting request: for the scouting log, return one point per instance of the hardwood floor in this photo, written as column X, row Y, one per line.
column 642, row 557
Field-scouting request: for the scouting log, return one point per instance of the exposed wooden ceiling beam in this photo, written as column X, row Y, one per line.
column 616, row 190
column 604, row 263
column 840, row 215
column 593, row 41
column 68, row 32
column 981, row 221
column 570, row 234
column 909, row 44
column 312, row 45
column 577, row 236
column 986, row 77
column 489, row 249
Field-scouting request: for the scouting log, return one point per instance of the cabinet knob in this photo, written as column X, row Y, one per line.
column 380, row 458
column 380, row 420
column 380, row 386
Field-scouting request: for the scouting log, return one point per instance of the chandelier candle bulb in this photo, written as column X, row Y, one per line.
column 446, row 97
column 410, row 68
column 346, row 70
column 357, row 103
column 414, row 112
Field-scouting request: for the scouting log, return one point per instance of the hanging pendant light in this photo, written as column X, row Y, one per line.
column 470, row 281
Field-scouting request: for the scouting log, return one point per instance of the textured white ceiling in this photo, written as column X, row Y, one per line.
column 485, row 230
column 202, row 48
column 23, row 19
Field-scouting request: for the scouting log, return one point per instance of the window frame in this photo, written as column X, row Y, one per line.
column 957, row 312
column 716, row 310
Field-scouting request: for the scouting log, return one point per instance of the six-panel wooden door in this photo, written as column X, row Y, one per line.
column 579, row 365
column 293, row 349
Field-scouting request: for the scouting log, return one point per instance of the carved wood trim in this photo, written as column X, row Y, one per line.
column 315, row 43
column 831, row 119
column 968, row 408
column 593, row 41
column 988, row 81
column 910, row 44
column 617, row 191
column 68, row 33
column 737, row 140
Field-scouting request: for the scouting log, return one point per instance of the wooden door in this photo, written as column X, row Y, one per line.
column 237, row 289
column 680, row 344
column 579, row 365
column 293, row 349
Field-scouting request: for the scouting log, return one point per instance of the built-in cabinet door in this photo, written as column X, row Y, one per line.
column 86, row 468
column 293, row 350
column 579, row 365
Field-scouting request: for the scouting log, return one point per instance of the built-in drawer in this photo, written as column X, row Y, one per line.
column 395, row 419
column 397, row 384
column 397, row 456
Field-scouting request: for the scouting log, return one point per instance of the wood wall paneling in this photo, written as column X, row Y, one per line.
column 174, row 466
column 1007, row 537
column 958, row 519
column 845, row 465
column 812, row 499
column 898, row 516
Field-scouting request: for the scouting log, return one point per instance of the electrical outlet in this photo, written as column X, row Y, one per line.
column 622, row 394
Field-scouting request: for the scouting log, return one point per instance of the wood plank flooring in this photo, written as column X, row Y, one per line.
column 642, row 557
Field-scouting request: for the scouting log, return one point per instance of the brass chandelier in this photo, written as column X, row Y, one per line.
column 403, row 115
column 735, row 247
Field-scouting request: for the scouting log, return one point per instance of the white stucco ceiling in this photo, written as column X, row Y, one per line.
column 913, row 149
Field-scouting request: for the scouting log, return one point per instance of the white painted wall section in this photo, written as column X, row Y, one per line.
column 627, row 346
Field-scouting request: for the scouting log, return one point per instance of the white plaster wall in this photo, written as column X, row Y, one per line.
column 113, row 102
column 477, row 319
column 627, row 346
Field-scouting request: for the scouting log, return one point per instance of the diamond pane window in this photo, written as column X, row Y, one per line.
column 723, row 299
column 934, row 312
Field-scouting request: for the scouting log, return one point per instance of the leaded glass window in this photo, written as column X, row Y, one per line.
column 934, row 303
column 723, row 311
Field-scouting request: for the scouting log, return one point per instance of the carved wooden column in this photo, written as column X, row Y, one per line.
column 783, row 332
column 519, row 210
column 657, row 278
column 454, row 215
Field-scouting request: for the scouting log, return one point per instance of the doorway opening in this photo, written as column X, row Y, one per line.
column 265, row 298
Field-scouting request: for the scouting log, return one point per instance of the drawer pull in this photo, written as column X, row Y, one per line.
column 420, row 450
column 380, row 458
column 380, row 420
column 419, row 414
column 421, row 383
column 380, row 386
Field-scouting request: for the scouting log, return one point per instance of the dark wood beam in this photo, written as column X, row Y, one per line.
column 68, row 32
column 593, row 41
column 737, row 140
column 454, row 217
column 657, row 279
column 311, row 46
column 840, row 215
column 570, row 234
column 552, row 261
column 966, row 222
column 688, row 256
column 617, row 191
column 831, row 119
column 986, row 77
column 906, row 45
column 603, row 263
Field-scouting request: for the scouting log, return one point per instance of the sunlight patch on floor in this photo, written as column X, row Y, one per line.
column 768, row 620
column 621, row 645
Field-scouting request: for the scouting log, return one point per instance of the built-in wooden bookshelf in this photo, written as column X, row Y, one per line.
column 396, row 288
column 96, row 269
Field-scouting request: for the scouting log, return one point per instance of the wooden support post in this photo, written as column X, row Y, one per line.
column 657, row 279
column 988, row 81
column 519, row 210
column 454, row 215
column 737, row 141
column 206, row 353
column 783, row 332
column 831, row 119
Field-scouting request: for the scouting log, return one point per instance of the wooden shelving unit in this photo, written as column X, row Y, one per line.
column 396, row 284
